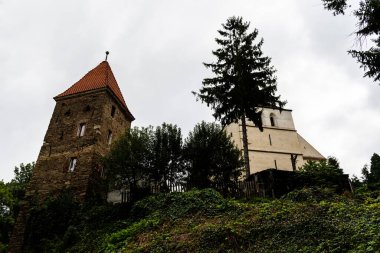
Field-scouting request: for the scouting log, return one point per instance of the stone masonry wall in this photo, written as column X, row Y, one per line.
column 61, row 143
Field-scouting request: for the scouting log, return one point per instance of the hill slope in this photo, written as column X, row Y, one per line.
column 203, row 221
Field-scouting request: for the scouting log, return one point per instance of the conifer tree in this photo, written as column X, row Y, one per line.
column 244, row 80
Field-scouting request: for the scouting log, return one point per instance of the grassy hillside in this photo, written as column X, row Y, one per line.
column 310, row 220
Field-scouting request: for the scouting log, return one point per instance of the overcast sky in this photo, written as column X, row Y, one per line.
column 156, row 53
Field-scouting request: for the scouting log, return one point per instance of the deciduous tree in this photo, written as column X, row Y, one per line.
column 129, row 159
column 166, row 164
column 371, row 174
column 211, row 156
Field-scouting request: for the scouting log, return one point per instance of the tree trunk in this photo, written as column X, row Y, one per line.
column 245, row 147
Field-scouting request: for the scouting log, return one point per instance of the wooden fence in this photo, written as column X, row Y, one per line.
column 268, row 183
column 238, row 189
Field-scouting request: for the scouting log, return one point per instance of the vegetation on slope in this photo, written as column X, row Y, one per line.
column 307, row 220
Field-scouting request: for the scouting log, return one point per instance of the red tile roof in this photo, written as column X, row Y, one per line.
column 99, row 77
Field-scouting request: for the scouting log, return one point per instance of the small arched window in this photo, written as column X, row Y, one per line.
column 113, row 110
column 272, row 118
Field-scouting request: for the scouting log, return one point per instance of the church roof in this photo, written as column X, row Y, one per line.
column 308, row 151
column 99, row 77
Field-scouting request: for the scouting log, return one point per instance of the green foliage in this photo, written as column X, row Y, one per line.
column 322, row 169
column 146, row 156
column 323, row 174
column 10, row 196
column 327, row 223
column 6, row 200
column 307, row 220
column 153, row 212
column 129, row 158
column 167, row 164
column 244, row 79
column 368, row 24
column 22, row 176
column 7, row 219
column 211, row 156
column 172, row 206
column 313, row 194
column 371, row 174
column 336, row 6
column 48, row 223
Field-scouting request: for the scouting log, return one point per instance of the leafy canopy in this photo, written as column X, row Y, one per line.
column 166, row 154
column 129, row 158
column 10, row 196
column 211, row 156
column 371, row 174
column 326, row 173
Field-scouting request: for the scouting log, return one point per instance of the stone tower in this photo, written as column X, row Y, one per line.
column 87, row 117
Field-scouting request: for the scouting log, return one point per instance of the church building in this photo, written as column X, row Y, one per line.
column 279, row 146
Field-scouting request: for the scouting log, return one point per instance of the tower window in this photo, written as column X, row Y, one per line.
column 113, row 110
column 73, row 164
column 67, row 113
column 109, row 138
column 81, row 129
column 270, row 140
column 272, row 120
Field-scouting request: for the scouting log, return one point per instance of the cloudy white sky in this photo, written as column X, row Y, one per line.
column 157, row 49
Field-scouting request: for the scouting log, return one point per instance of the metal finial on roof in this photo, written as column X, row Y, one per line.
column 107, row 53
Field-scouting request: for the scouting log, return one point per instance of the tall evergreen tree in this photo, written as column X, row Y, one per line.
column 244, row 79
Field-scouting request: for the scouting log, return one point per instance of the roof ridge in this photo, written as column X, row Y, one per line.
column 99, row 77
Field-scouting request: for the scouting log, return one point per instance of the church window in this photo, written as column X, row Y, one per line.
column 272, row 120
column 81, row 129
column 113, row 110
column 109, row 138
column 73, row 164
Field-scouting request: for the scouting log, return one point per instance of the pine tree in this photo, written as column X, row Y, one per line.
column 244, row 79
